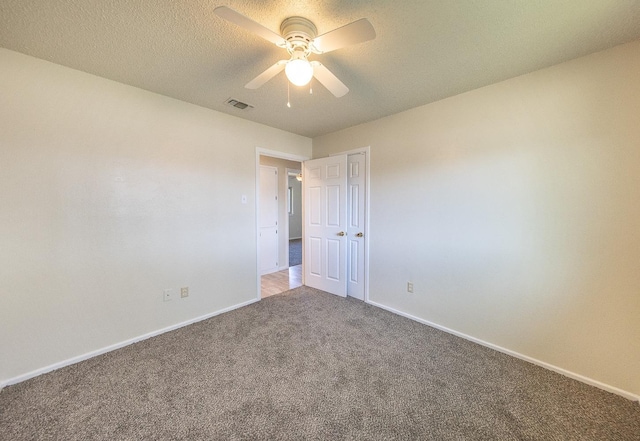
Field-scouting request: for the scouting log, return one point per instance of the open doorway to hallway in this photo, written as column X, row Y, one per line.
column 280, row 225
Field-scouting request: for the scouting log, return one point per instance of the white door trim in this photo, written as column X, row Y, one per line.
column 274, row 154
column 367, row 151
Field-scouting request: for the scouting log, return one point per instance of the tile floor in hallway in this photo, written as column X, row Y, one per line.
column 281, row 281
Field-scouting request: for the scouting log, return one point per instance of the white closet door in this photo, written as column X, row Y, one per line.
column 325, row 220
column 356, row 198
column 268, row 219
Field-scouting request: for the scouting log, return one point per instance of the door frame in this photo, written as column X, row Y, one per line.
column 274, row 154
column 367, row 161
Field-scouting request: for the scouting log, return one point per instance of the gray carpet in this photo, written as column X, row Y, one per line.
column 295, row 252
column 309, row 365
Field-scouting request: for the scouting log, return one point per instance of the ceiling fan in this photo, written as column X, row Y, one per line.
column 299, row 37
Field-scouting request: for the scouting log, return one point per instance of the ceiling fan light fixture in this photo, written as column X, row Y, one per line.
column 299, row 37
column 299, row 71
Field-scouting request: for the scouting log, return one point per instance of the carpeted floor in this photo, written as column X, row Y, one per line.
column 309, row 365
column 295, row 252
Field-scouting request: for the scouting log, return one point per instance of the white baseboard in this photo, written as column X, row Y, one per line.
column 566, row 373
column 79, row 358
column 292, row 238
column 113, row 347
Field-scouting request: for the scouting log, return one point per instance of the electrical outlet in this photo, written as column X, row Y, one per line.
column 167, row 295
column 184, row 292
column 410, row 287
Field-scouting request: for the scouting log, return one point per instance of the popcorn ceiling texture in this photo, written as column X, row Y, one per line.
column 424, row 51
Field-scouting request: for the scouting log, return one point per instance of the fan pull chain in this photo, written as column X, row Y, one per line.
column 288, row 96
column 311, row 87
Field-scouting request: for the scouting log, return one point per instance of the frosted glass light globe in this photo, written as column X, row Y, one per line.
column 299, row 71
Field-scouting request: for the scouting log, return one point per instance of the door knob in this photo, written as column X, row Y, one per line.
column 341, row 233
column 359, row 235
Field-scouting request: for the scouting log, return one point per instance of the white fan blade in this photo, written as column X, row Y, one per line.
column 357, row 32
column 329, row 80
column 248, row 24
column 266, row 75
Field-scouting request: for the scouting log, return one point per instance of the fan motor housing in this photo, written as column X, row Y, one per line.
column 298, row 31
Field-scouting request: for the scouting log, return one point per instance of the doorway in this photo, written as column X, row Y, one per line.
column 357, row 258
column 285, row 208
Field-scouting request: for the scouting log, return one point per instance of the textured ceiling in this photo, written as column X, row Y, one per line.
column 424, row 50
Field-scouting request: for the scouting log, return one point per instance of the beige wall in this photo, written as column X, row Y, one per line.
column 515, row 211
column 283, row 239
column 110, row 194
